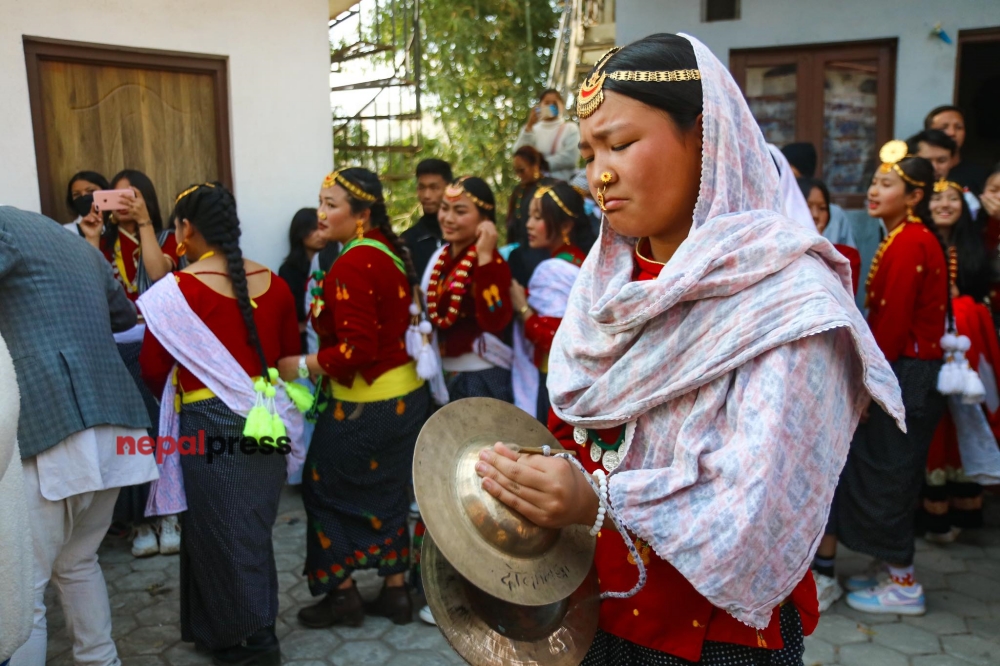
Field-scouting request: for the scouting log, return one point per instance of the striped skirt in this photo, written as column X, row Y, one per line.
column 229, row 581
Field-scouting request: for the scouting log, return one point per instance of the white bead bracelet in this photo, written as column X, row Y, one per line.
column 602, row 500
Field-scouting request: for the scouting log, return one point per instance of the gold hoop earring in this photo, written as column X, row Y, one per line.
column 566, row 238
column 605, row 180
column 538, row 174
column 181, row 249
column 359, row 230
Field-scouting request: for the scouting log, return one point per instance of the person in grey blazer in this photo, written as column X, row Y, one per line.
column 59, row 304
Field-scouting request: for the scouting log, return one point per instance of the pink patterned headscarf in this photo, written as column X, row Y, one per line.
column 746, row 284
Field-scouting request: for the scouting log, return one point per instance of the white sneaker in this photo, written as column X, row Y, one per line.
column 828, row 590
column 426, row 615
column 170, row 535
column 943, row 537
column 144, row 542
column 876, row 574
column 890, row 597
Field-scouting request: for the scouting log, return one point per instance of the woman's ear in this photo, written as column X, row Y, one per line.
column 914, row 197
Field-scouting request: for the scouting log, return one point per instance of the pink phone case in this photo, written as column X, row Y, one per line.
column 111, row 200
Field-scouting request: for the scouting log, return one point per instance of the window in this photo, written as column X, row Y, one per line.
column 839, row 97
column 720, row 10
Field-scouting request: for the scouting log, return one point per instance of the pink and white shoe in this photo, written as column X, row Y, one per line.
column 889, row 597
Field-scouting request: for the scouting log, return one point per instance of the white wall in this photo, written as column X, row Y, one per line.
column 925, row 66
column 279, row 93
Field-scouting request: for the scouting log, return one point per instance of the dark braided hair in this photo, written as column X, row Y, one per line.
column 211, row 209
column 554, row 217
column 370, row 183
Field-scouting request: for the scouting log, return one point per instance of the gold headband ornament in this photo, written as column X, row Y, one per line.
column 542, row 191
column 942, row 185
column 891, row 155
column 591, row 94
column 455, row 191
column 189, row 191
column 336, row 178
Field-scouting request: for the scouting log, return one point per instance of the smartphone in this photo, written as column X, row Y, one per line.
column 112, row 200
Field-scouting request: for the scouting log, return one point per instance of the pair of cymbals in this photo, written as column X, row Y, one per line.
column 503, row 590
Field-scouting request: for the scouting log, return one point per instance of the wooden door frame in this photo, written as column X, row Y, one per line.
column 811, row 57
column 39, row 49
column 970, row 37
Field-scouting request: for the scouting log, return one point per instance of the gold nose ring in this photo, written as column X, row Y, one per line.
column 605, row 179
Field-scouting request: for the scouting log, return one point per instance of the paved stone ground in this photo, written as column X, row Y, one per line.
column 962, row 625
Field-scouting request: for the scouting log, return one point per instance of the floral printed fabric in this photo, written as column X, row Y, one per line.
column 744, row 412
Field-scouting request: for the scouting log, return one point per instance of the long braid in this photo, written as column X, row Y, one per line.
column 403, row 252
column 212, row 210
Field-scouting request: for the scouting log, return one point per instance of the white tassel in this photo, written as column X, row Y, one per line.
column 413, row 341
column 428, row 364
column 973, row 390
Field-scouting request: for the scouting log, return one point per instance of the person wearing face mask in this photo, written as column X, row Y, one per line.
column 951, row 500
column 357, row 472
column 684, row 375
column 951, row 120
column 552, row 135
column 80, row 198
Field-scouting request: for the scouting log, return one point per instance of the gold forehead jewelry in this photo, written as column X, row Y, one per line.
column 542, row 191
column 891, row 154
column 591, row 94
column 189, row 191
column 337, row 178
column 943, row 184
column 457, row 189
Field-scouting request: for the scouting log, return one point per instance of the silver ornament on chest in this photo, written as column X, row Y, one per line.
column 611, row 460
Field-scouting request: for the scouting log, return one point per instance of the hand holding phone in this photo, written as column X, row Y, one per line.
column 106, row 201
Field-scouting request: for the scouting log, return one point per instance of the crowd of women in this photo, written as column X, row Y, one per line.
column 708, row 361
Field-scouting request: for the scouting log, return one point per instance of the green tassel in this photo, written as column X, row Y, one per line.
column 272, row 373
column 258, row 423
column 277, row 428
column 300, row 395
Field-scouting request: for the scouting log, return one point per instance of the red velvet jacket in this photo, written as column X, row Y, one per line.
column 485, row 307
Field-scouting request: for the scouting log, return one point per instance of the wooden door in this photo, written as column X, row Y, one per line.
column 105, row 111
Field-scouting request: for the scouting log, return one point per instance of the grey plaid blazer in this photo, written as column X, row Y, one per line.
column 59, row 304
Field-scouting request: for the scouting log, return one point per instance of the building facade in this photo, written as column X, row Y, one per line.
column 186, row 91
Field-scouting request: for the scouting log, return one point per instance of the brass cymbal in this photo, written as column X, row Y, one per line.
column 495, row 548
column 486, row 631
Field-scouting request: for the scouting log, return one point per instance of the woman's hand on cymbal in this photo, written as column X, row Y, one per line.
column 549, row 492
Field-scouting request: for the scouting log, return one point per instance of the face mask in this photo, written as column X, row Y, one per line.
column 553, row 110
column 589, row 207
column 83, row 204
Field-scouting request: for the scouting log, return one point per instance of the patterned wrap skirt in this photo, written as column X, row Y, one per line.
column 355, row 488
column 874, row 508
column 610, row 650
column 229, row 581
column 131, row 505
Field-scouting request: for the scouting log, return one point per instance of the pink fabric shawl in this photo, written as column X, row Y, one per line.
column 731, row 491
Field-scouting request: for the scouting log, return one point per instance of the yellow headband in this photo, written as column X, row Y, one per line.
column 942, row 185
column 336, row 178
column 542, row 191
column 591, row 94
column 891, row 154
column 457, row 189
column 189, row 191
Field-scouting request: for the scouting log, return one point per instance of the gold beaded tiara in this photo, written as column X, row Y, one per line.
column 457, row 189
column 891, row 154
column 189, row 191
column 943, row 184
column 542, row 191
column 336, row 178
column 591, row 94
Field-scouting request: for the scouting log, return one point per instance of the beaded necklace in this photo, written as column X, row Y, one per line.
column 458, row 281
column 878, row 257
column 609, row 455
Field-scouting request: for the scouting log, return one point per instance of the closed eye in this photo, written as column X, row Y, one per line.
column 622, row 146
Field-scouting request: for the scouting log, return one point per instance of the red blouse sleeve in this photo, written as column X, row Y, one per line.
column 491, row 294
column 854, row 257
column 288, row 331
column 895, row 320
column 169, row 248
column 540, row 331
column 356, row 325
